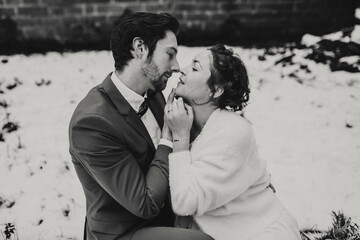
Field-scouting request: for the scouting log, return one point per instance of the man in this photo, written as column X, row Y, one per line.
column 118, row 149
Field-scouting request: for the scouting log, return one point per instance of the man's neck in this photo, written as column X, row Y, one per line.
column 134, row 80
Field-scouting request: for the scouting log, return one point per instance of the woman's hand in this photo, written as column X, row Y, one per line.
column 179, row 117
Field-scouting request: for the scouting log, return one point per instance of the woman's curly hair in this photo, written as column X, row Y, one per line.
column 229, row 72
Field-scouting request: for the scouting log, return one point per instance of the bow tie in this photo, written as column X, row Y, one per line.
column 143, row 108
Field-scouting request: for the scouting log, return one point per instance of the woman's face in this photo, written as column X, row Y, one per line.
column 193, row 85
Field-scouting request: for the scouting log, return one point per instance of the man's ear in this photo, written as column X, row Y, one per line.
column 140, row 49
column 218, row 91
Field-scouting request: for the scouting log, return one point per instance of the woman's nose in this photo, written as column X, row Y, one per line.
column 182, row 72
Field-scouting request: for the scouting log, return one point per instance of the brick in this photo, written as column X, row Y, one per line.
column 34, row 32
column 30, row 1
column 197, row 16
column 89, row 9
column 151, row 1
column 213, row 23
column 57, row 11
column 277, row 6
column 157, row 7
column 240, row 15
column 110, row 9
column 31, row 21
column 178, row 15
column 279, row 1
column 7, row 12
column 32, row 11
column 272, row 17
column 125, row 2
column 134, row 6
column 183, row 6
column 241, row 11
column 319, row 5
column 98, row 1
column 63, row 3
column 97, row 19
column 237, row 7
column 73, row 10
column 196, row 25
column 11, row 2
column 99, row 23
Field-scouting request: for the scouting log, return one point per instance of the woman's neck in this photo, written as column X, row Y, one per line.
column 202, row 114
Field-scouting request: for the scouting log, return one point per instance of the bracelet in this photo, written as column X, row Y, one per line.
column 180, row 140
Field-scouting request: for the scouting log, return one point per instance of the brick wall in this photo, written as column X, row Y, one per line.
column 203, row 21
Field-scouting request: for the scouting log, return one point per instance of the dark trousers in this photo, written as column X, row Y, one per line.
column 169, row 233
column 165, row 233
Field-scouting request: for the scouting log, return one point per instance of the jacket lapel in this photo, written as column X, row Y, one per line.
column 125, row 109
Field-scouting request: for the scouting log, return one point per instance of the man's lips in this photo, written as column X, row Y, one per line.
column 167, row 75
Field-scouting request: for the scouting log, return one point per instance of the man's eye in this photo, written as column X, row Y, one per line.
column 171, row 54
column 194, row 69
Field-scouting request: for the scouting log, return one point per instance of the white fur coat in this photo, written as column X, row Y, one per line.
column 222, row 181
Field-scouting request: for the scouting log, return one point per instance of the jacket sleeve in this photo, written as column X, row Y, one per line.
column 107, row 159
column 222, row 167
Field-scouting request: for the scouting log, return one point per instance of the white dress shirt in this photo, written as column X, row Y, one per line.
column 135, row 100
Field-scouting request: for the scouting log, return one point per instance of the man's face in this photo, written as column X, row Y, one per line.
column 160, row 66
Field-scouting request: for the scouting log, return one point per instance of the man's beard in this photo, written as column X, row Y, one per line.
column 151, row 71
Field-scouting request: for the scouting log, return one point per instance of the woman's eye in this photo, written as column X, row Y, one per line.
column 194, row 69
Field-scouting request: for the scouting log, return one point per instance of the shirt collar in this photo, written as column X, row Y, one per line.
column 134, row 99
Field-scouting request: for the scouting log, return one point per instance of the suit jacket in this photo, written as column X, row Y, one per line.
column 125, row 180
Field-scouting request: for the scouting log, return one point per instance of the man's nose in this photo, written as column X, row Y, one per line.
column 175, row 67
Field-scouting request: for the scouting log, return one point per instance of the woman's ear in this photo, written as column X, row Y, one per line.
column 140, row 49
column 218, row 91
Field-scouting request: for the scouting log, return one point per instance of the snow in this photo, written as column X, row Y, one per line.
column 355, row 35
column 309, row 40
column 307, row 128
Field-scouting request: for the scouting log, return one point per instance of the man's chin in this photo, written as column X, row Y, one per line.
column 160, row 87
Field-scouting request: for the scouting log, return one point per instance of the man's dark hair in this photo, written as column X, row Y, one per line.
column 150, row 27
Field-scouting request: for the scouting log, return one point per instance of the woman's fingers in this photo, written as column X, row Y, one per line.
column 171, row 96
column 170, row 101
column 180, row 105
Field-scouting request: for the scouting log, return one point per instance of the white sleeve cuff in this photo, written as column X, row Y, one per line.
column 166, row 142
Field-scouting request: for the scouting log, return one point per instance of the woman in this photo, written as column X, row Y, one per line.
column 215, row 172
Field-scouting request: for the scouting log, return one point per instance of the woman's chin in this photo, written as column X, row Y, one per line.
column 177, row 92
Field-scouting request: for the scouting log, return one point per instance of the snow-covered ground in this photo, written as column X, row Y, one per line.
column 307, row 125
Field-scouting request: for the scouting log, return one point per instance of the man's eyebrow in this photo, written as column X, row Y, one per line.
column 173, row 48
column 196, row 61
